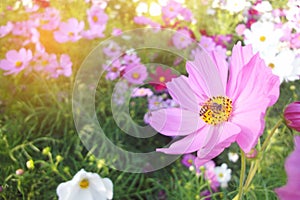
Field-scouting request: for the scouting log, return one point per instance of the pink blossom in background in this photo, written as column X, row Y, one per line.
column 295, row 41
column 94, row 32
column 291, row 190
column 116, row 32
column 207, row 43
column 69, row 31
column 209, row 173
column 156, row 102
column 171, row 10
column 114, row 70
column 33, row 37
column 186, row 14
column 112, row 50
column 141, row 92
column 145, row 21
column 16, row 61
column 182, row 39
column 131, row 60
column 188, row 160
column 96, row 16
column 6, row 29
column 61, row 67
column 136, row 74
column 20, row 28
column 231, row 105
column 240, row 29
column 292, row 115
column 49, row 19
column 161, row 76
column 222, row 40
column 42, row 61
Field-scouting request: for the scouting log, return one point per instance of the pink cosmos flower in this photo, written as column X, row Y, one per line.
column 209, row 173
column 116, row 32
column 161, row 77
column 291, row 190
column 141, row 92
column 94, row 32
column 292, row 115
column 188, row 160
column 181, row 39
column 112, row 50
column 114, row 70
column 69, row 31
column 16, row 61
column 6, row 29
column 136, row 74
column 63, row 67
column 49, row 19
column 96, row 16
column 207, row 43
column 131, row 60
column 171, row 10
column 218, row 105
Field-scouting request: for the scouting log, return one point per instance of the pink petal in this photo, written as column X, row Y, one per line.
column 222, row 66
column 175, row 121
column 182, row 93
column 204, row 74
column 188, row 144
column 252, row 125
column 222, row 136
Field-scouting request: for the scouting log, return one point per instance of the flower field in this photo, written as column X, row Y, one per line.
column 155, row 99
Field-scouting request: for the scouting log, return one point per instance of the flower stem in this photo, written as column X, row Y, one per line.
column 253, row 170
column 242, row 175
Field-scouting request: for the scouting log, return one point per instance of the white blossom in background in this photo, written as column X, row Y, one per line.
column 86, row 186
column 263, row 37
column 223, row 175
column 233, row 157
column 285, row 64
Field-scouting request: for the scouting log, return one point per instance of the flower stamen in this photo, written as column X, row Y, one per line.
column 216, row 110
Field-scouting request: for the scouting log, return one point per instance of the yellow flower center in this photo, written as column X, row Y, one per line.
column 71, row 34
column 18, row 64
column 84, row 183
column 271, row 65
column 135, row 75
column 95, row 18
column 190, row 161
column 221, row 175
column 162, row 79
column 45, row 62
column 262, row 38
column 216, row 110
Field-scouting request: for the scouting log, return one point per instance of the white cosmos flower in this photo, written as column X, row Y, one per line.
column 285, row 64
column 223, row 175
column 85, row 186
column 235, row 6
column 233, row 157
column 263, row 37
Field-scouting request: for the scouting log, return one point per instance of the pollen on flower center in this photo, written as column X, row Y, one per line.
column 18, row 64
column 162, row 79
column 95, row 18
column 84, row 183
column 135, row 75
column 262, row 38
column 216, row 110
column 271, row 65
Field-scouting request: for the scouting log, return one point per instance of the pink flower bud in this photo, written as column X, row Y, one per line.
column 292, row 115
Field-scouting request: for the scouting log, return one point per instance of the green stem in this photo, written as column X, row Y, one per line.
column 242, row 175
column 252, row 172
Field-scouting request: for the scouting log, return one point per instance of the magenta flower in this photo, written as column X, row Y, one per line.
column 136, row 74
column 217, row 109
column 160, row 78
column 292, row 115
column 291, row 190
column 188, row 160
column 69, row 31
column 16, row 61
